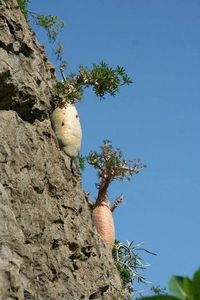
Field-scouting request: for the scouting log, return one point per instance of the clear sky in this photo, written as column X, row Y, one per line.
column 155, row 119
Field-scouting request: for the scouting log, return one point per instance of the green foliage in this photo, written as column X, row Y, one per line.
column 52, row 24
column 103, row 80
column 58, row 51
column 157, row 290
column 23, row 4
column 182, row 288
column 186, row 288
column 128, row 262
column 159, row 297
column 176, row 286
column 81, row 162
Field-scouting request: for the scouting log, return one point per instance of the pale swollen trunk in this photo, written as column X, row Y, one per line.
column 66, row 125
column 103, row 220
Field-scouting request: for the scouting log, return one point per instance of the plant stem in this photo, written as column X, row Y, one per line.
column 102, row 194
column 62, row 73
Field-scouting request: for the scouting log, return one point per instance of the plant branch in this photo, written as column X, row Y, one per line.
column 101, row 78
column 118, row 200
column 62, row 68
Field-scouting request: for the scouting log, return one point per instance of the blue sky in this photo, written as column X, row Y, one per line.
column 155, row 119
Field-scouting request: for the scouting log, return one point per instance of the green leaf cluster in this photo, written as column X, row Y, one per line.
column 52, row 24
column 81, row 162
column 58, row 51
column 103, row 80
column 158, row 290
column 182, row 288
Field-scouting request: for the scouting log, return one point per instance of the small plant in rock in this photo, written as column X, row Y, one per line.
column 129, row 265
column 111, row 166
column 53, row 25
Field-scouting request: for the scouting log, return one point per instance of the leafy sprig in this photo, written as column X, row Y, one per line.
column 52, row 24
column 103, row 80
column 81, row 162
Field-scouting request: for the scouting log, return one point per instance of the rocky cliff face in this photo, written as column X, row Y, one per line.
column 49, row 248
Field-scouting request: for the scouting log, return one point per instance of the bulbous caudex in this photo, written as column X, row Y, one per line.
column 103, row 220
column 67, row 128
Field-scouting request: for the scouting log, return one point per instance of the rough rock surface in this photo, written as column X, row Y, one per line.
column 49, row 248
column 26, row 77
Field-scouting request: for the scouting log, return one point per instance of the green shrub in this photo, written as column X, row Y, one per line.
column 181, row 288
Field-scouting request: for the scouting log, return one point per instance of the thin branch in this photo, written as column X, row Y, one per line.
column 62, row 73
column 117, row 201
